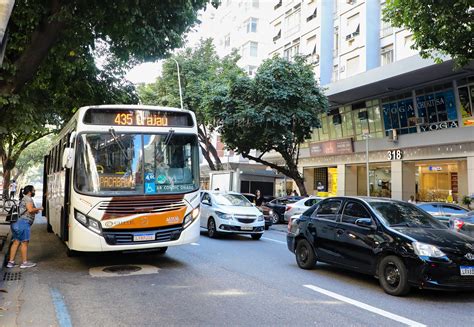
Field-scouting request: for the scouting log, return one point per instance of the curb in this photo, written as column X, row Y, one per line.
column 5, row 237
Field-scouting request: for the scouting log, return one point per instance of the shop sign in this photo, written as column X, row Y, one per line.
column 438, row 126
column 435, row 168
column 331, row 147
column 395, row 154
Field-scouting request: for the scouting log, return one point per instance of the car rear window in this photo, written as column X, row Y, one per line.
column 404, row 215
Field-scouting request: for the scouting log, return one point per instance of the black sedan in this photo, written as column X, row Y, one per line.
column 278, row 206
column 395, row 241
column 463, row 224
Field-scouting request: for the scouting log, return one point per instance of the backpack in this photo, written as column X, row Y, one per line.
column 12, row 215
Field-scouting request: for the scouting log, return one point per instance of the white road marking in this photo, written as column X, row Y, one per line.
column 364, row 306
column 271, row 239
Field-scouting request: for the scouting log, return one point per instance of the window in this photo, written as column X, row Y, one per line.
column 354, row 211
column 335, row 73
column 386, row 28
column 399, row 115
column 336, row 42
column 277, row 29
column 447, row 209
column 253, row 49
column 311, row 202
column 408, row 41
column 386, row 55
column 430, row 208
column 352, row 66
column 353, row 26
column 330, row 207
column 251, row 25
column 311, row 49
column 250, row 70
column 278, row 4
column 466, row 100
column 227, row 41
column 291, row 50
column 313, row 14
column 292, row 21
column 435, row 108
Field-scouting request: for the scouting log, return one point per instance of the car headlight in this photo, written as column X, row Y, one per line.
column 88, row 222
column 270, row 212
column 190, row 217
column 427, row 250
column 260, row 218
column 223, row 215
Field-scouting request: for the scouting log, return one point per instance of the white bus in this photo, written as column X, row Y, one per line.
column 124, row 178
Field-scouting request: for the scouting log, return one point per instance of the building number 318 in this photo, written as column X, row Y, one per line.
column 394, row 154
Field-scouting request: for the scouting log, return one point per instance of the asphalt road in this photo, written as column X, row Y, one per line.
column 232, row 281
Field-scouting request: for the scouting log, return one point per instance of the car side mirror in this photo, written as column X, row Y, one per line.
column 364, row 222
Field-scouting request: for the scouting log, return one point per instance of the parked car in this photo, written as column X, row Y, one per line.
column 442, row 211
column 267, row 212
column 395, row 241
column 463, row 224
column 300, row 206
column 278, row 206
column 230, row 212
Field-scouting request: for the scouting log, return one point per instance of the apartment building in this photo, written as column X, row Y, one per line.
column 417, row 115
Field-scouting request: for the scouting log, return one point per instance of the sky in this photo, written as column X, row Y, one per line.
column 149, row 71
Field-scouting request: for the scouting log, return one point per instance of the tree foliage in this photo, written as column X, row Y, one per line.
column 274, row 112
column 32, row 156
column 439, row 27
column 65, row 54
column 204, row 77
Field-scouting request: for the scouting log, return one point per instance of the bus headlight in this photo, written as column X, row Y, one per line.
column 88, row 222
column 190, row 217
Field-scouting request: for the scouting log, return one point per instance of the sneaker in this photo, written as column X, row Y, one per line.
column 11, row 264
column 27, row 264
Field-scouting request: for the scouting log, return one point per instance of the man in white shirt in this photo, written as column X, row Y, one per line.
column 12, row 189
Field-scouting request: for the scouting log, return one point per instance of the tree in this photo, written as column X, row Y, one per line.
column 204, row 76
column 51, row 65
column 32, row 156
column 439, row 27
column 275, row 111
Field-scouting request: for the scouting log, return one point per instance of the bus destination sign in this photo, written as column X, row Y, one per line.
column 137, row 117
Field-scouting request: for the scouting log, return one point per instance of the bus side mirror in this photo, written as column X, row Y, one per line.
column 68, row 158
column 72, row 138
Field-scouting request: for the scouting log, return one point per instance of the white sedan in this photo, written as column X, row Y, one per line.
column 229, row 212
column 300, row 206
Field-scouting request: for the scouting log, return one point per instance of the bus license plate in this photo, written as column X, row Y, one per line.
column 246, row 228
column 467, row 270
column 143, row 237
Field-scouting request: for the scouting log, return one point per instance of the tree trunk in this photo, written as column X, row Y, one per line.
column 208, row 149
column 6, row 181
column 206, row 156
column 299, row 180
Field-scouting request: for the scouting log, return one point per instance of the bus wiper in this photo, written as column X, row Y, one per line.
column 168, row 137
column 119, row 143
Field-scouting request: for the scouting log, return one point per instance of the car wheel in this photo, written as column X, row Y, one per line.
column 393, row 276
column 211, row 228
column 256, row 236
column 267, row 227
column 275, row 218
column 71, row 253
column 305, row 256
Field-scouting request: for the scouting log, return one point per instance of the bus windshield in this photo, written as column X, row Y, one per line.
column 118, row 164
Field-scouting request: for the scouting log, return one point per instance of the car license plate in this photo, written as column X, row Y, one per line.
column 143, row 237
column 467, row 270
column 246, row 228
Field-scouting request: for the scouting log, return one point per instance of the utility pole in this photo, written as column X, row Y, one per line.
column 179, row 84
column 366, row 136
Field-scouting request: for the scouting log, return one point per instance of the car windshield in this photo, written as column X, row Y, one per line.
column 404, row 215
column 118, row 164
column 236, row 200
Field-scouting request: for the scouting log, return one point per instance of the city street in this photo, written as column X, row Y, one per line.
column 232, row 281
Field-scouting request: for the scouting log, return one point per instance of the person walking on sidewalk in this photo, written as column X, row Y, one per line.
column 21, row 228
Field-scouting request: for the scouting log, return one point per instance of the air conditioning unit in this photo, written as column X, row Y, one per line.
column 337, row 119
column 363, row 115
column 315, row 59
column 350, row 2
column 392, row 135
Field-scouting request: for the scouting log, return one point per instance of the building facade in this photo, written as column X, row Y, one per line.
column 417, row 115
